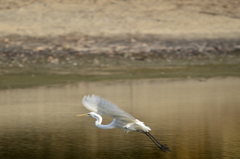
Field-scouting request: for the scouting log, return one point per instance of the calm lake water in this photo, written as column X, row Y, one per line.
column 196, row 119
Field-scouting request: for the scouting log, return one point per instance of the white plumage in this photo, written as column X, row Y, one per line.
column 122, row 120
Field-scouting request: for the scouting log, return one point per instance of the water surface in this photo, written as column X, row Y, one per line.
column 196, row 118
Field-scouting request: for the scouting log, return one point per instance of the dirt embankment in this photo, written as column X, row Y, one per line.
column 182, row 18
column 119, row 28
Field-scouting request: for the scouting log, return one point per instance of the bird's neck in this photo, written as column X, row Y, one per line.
column 98, row 123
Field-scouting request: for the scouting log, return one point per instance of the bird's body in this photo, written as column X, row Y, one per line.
column 130, row 125
column 122, row 120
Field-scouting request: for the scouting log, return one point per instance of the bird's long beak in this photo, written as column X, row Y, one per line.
column 82, row 115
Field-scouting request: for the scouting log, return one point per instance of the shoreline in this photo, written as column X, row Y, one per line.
column 112, row 39
column 74, row 50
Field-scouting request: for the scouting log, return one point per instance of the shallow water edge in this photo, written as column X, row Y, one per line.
column 38, row 76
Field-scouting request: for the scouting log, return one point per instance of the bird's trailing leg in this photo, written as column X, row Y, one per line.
column 159, row 145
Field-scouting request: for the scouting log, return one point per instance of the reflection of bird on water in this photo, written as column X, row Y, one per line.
column 122, row 120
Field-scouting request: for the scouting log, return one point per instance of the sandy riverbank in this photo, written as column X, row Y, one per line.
column 168, row 19
column 114, row 26
column 62, row 33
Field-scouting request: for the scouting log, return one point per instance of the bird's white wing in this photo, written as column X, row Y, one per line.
column 101, row 106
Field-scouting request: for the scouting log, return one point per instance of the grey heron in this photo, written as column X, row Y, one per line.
column 122, row 120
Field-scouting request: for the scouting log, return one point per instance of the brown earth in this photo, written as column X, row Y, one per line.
column 57, row 41
column 179, row 18
column 201, row 28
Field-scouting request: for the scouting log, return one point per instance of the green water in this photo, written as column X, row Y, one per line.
column 23, row 78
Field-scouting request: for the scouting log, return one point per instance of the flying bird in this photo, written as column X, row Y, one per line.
column 122, row 120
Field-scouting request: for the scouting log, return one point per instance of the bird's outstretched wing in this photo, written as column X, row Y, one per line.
column 101, row 106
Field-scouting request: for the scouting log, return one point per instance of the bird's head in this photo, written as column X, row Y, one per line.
column 91, row 114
